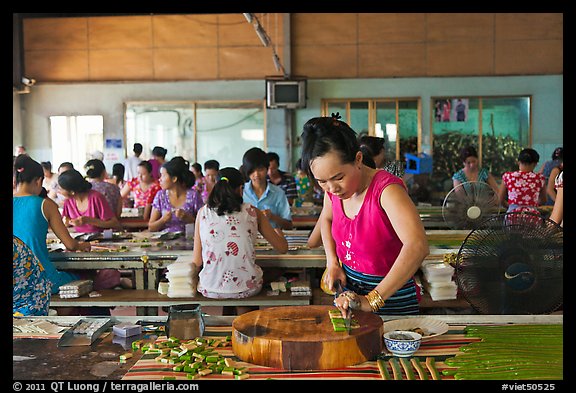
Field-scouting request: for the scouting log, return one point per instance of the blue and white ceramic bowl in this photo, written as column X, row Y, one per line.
column 402, row 343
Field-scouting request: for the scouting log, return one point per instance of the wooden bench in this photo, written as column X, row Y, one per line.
column 147, row 301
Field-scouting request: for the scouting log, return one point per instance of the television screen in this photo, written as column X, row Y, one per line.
column 288, row 94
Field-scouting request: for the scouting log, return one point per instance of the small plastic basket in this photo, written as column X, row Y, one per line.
column 422, row 163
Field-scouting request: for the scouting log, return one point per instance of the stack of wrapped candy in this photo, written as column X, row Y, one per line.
column 75, row 289
column 182, row 279
column 438, row 281
column 300, row 288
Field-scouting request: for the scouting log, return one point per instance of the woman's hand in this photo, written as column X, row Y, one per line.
column 167, row 217
column 333, row 273
column 267, row 213
column 349, row 300
column 84, row 246
column 180, row 214
column 81, row 220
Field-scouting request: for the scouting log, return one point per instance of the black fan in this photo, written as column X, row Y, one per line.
column 512, row 264
column 469, row 204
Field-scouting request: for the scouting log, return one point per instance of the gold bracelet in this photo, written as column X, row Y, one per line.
column 375, row 300
column 372, row 303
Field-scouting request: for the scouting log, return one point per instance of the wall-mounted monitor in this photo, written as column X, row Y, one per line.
column 287, row 94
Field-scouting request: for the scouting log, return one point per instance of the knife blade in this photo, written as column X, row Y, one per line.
column 348, row 317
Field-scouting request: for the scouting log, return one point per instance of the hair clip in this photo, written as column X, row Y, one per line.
column 89, row 167
column 223, row 178
column 336, row 116
column 20, row 170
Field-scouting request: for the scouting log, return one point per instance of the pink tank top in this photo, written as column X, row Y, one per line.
column 367, row 243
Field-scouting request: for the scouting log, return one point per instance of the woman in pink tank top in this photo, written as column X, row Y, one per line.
column 373, row 236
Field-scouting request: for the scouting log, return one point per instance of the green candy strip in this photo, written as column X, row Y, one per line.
column 419, row 369
column 396, row 370
column 408, row 370
column 383, row 370
column 431, row 364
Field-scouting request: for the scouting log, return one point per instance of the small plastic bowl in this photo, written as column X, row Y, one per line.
column 402, row 347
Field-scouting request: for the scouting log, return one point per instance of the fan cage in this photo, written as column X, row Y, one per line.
column 512, row 264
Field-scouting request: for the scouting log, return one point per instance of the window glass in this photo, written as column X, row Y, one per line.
column 408, row 127
column 498, row 127
column 75, row 138
column 225, row 132
column 197, row 130
column 359, row 117
column 386, row 128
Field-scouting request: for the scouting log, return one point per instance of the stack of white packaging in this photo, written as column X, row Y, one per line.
column 75, row 289
column 438, row 281
column 181, row 278
column 300, row 288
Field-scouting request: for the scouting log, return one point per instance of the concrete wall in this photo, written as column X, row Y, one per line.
column 107, row 99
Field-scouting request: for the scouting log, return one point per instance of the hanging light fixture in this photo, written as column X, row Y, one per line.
column 261, row 33
column 265, row 39
column 277, row 63
column 248, row 17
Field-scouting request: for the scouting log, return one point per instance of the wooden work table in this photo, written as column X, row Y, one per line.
column 148, row 259
column 38, row 357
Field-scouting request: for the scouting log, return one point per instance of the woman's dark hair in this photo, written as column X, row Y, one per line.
column 178, row 167
column 66, row 164
column 467, row 151
column 146, row 164
column 373, row 144
column 137, row 148
column 118, row 170
column 197, row 167
column 529, row 156
column 73, row 181
column 212, row 164
column 367, row 157
column 223, row 197
column 253, row 159
column 272, row 156
column 558, row 153
column 159, row 151
column 94, row 168
column 321, row 135
column 47, row 165
column 43, row 193
column 299, row 165
column 26, row 169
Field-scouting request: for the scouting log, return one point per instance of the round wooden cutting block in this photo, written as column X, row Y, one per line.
column 303, row 338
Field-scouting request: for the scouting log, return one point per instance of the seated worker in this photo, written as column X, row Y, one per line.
column 471, row 170
column 32, row 216
column 177, row 203
column 31, row 288
column 85, row 209
column 280, row 178
column 523, row 190
column 96, row 173
column 143, row 187
column 557, row 214
column 303, row 185
column 259, row 192
column 211, row 168
column 54, row 193
column 225, row 234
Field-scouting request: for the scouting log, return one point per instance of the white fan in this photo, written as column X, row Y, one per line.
column 468, row 204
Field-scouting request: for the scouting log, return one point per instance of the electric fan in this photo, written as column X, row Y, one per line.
column 468, row 204
column 512, row 264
